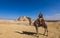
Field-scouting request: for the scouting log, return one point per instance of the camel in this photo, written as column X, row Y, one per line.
column 40, row 22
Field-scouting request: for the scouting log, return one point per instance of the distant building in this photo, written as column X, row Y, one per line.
column 24, row 19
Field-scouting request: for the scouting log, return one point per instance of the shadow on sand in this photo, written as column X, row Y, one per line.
column 25, row 32
column 29, row 33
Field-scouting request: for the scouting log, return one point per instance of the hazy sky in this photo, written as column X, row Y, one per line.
column 12, row 9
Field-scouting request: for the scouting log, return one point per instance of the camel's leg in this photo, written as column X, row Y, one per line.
column 45, row 30
column 37, row 30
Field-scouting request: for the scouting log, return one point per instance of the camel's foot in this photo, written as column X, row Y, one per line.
column 45, row 35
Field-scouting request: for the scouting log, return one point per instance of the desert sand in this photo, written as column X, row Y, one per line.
column 17, row 29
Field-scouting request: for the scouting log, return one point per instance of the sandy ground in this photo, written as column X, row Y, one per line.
column 12, row 29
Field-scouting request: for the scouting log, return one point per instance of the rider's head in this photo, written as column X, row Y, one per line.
column 40, row 15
